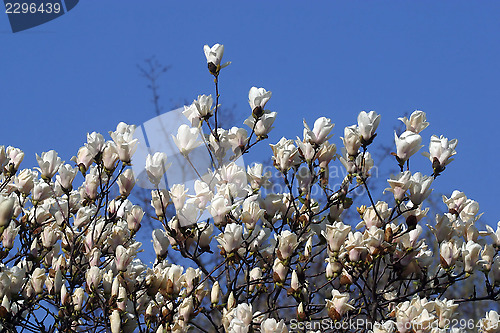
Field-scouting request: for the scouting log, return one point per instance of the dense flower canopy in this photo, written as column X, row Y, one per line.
column 243, row 250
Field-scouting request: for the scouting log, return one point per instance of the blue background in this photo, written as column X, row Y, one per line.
column 78, row 73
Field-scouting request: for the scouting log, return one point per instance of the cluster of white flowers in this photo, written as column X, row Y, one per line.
column 69, row 253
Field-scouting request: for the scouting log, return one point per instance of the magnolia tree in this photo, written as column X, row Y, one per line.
column 268, row 258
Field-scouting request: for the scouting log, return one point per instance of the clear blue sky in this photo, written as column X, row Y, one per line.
column 78, row 73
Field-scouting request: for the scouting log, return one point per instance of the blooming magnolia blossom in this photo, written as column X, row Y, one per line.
column 257, row 98
column 399, row 183
column 407, row 145
column 262, row 126
column 186, row 139
column 156, row 167
column 231, row 239
column 126, row 144
column 320, row 132
column 367, row 125
column 200, row 109
column 420, row 188
column 351, row 140
column 214, row 57
column 440, row 151
column 49, row 163
column 242, row 250
column 338, row 305
column 417, row 122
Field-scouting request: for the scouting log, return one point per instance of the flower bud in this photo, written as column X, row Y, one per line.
column 215, row 293
column 115, row 321
column 6, row 211
column 78, row 298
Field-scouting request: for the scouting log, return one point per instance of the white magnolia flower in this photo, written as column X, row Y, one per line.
column 93, row 277
column 420, row 188
column 440, row 152
column 214, row 57
column 78, row 298
column 470, row 254
column 287, row 243
column 49, row 163
column 399, row 183
column 95, row 143
column 215, row 293
column 338, row 305
column 16, row 156
column 38, row 279
column 126, row 182
column 66, row 176
column 407, row 145
column 264, row 124
column 123, row 257
column 218, row 208
column 285, row 154
column 201, row 108
column 251, row 213
column 320, row 132
column 115, row 321
column 24, row 181
column 256, row 178
column 495, row 271
column 257, row 98
column 495, row 235
column 244, row 313
column 126, row 144
column 110, row 156
column 351, row 140
column 270, row 325
column 186, row 139
column 326, row 153
column 336, row 235
column 160, row 242
column 449, row 253
column 279, row 271
column 9, row 236
column 232, row 238
column 156, row 167
column 417, row 122
column 491, row 322
column 6, row 210
column 367, row 125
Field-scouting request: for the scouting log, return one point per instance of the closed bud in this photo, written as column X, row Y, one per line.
column 215, row 293
column 301, row 314
column 115, row 321
column 231, row 302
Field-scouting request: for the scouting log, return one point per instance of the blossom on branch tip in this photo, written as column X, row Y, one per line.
column 367, row 125
column 351, row 140
column 320, row 132
column 187, row 139
column 156, row 166
column 49, row 163
column 263, row 125
column 417, row 122
column 338, row 305
column 231, row 239
column 406, row 145
column 440, row 152
column 200, row 109
column 257, row 98
column 214, row 57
